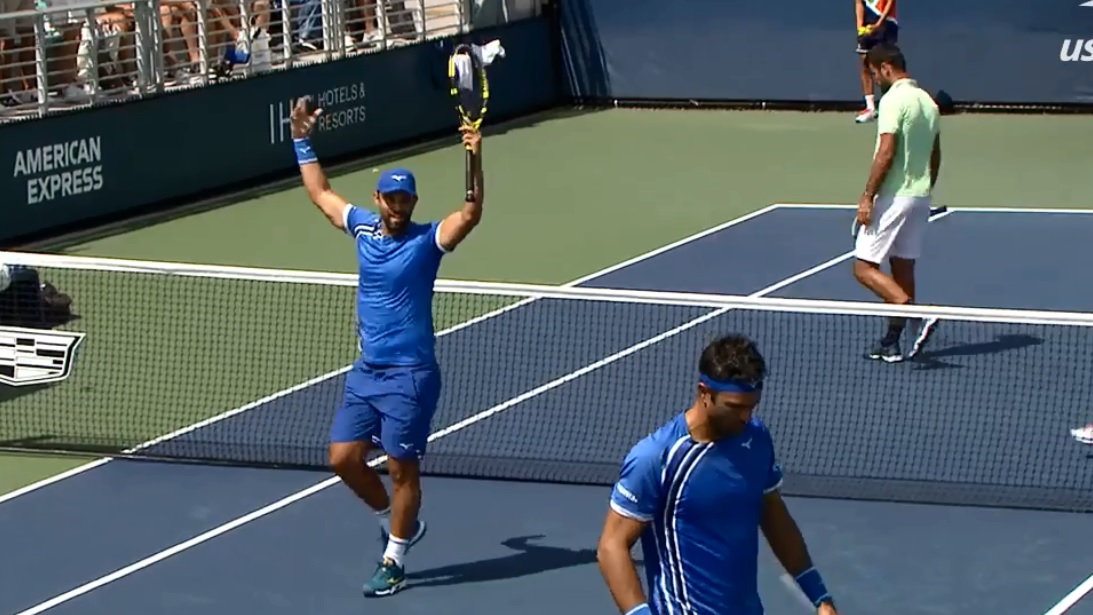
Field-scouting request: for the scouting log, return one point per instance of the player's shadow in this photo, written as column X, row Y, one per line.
column 935, row 359
column 527, row 559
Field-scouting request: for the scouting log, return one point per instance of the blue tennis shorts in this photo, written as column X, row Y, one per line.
column 887, row 34
column 391, row 406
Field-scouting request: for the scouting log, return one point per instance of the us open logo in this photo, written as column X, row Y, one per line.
column 36, row 356
column 1078, row 50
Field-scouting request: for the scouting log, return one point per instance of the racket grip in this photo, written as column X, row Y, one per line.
column 470, row 176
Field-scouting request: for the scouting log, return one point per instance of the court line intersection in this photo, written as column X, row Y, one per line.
column 334, row 374
column 460, row 425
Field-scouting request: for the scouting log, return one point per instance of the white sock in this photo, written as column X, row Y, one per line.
column 870, row 102
column 396, row 550
column 384, row 516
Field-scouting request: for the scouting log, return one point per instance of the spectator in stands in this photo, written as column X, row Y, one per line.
column 17, row 82
column 361, row 23
column 114, row 49
column 59, row 40
column 877, row 25
column 259, row 16
column 257, row 21
column 179, row 21
column 307, row 25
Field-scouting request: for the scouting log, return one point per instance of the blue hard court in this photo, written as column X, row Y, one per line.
column 132, row 537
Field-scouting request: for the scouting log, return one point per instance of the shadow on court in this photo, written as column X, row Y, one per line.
column 1002, row 343
column 528, row 559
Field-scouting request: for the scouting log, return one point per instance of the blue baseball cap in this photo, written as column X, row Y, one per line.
column 396, row 180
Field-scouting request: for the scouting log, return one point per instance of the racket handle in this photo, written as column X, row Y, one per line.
column 470, row 176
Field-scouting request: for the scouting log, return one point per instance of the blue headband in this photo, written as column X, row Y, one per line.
column 730, row 386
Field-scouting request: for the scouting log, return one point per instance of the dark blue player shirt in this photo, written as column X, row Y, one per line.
column 395, row 291
column 703, row 503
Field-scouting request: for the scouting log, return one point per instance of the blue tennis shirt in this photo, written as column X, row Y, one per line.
column 395, row 290
column 703, row 503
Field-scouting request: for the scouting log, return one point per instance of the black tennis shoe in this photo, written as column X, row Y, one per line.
column 887, row 352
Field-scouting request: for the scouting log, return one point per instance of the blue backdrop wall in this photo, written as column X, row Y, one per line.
column 987, row 51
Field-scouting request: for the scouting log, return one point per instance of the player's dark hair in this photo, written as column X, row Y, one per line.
column 733, row 357
column 886, row 54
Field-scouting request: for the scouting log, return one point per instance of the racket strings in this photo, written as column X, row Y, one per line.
column 469, row 86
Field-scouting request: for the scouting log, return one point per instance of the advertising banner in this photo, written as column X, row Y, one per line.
column 85, row 165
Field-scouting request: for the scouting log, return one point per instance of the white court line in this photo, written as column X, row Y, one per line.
column 1086, row 586
column 984, row 210
column 334, row 480
column 334, row 374
column 1072, row 598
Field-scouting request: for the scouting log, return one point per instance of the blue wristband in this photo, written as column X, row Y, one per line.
column 812, row 584
column 641, row 609
column 304, row 153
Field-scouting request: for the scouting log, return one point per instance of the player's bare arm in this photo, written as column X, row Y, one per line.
column 935, row 161
column 318, row 187
column 459, row 224
column 859, row 14
column 620, row 533
column 787, row 543
column 888, row 8
column 882, row 163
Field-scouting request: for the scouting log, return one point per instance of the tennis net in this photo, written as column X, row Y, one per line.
column 245, row 366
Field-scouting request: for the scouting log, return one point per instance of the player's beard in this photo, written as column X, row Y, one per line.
column 724, row 425
column 884, row 84
column 395, row 224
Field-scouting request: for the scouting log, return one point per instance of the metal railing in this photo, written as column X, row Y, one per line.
column 81, row 53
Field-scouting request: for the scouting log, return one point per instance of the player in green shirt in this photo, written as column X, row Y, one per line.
column 894, row 210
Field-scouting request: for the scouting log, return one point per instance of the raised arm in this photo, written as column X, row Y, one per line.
column 318, row 188
column 458, row 224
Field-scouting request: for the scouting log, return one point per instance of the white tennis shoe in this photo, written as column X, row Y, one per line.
column 1083, row 434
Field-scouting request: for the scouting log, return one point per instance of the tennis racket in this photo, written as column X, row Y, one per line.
column 471, row 92
column 855, row 226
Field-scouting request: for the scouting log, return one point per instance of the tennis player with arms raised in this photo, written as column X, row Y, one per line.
column 697, row 492
column 894, row 210
column 393, row 388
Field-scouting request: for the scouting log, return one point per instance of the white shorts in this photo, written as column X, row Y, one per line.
column 898, row 228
